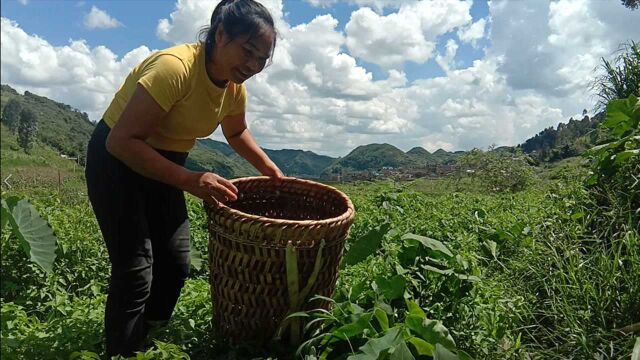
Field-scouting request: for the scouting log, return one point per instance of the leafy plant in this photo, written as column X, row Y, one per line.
column 381, row 332
column 35, row 236
column 621, row 76
column 623, row 124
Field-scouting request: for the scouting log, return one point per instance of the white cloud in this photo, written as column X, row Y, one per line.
column 316, row 96
column 99, row 19
column 23, row 2
column 410, row 34
column 446, row 61
column 73, row 74
column 473, row 33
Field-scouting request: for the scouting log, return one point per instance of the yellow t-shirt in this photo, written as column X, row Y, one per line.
column 177, row 79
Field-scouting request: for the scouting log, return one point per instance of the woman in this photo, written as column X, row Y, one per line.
column 135, row 174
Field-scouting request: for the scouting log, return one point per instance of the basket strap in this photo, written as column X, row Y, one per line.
column 296, row 297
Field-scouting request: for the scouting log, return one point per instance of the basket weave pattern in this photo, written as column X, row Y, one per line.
column 271, row 250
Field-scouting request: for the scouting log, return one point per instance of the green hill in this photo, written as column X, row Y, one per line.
column 299, row 162
column 566, row 140
column 372, row 157
column 60, row 126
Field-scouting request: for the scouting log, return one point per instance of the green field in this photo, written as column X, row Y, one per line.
column 543, row 273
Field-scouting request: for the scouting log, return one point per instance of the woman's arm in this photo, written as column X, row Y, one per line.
column 127, row 142
column 240, row 139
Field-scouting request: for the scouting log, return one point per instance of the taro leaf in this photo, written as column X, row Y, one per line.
column 196, row 257
column 422, row 347
column 431, row 331
column 33, row 232
column 391, row 288
column 374, row 347
column 401, row 352
column 366, row 245
column 438, row 249
column 355, row 328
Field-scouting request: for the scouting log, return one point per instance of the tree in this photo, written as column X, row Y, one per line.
column 631, row 4
column 27, row 129
column 11, row 114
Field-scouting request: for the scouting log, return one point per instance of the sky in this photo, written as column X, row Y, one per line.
column 447, row 74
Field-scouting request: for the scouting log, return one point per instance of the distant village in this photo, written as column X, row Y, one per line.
column 387, row 172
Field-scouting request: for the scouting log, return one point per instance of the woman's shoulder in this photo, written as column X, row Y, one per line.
column 188, row 53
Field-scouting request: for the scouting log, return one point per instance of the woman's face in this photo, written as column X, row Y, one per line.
column 239, row 59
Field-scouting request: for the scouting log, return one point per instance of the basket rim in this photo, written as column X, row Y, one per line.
column 349, row 213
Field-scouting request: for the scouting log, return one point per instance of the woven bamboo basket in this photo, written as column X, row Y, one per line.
column 270, row 251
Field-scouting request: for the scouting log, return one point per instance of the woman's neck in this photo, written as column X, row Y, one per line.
column 211, row 71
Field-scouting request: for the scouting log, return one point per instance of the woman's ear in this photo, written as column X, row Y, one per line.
column 221, row 36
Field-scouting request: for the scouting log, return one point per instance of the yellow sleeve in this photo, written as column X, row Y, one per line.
column 240, row 103
column 165, row 78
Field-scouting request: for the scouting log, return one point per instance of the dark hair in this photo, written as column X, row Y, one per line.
column 238, row 18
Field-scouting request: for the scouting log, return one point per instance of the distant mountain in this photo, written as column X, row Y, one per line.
column 372, row 157
column 300, row 162
column 441, row 156
column 291, row 162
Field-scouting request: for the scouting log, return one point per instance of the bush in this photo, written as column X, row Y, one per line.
column 499, row 172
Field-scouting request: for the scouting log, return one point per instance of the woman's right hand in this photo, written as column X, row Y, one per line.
column 210, row 187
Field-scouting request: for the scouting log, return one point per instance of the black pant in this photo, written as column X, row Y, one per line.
column 146, row 229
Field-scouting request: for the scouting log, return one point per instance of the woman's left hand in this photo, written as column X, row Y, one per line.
column 271, row 169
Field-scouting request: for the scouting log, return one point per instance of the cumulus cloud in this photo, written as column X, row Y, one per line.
column 473, row 32
column 316, row 95
column 410, row 34
column 75, row 74
column 99, row 19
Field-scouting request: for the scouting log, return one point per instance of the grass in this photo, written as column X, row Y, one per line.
column 554, row 287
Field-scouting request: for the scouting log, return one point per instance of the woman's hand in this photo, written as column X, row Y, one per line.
column 271, row 169
column 210, row 187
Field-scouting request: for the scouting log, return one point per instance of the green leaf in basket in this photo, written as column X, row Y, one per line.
column 366, row 245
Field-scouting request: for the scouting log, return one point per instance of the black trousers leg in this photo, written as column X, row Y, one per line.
column 142, row 221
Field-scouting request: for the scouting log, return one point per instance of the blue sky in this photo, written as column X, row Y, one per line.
column 447, row 74
column 58, row 21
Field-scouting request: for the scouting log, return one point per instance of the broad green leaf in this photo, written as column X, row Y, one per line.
column 401, row 352
column 391, row 288
column 622, row 116
column 442, row 353
column 431, row 331
column 415, row 309
column 355, row 328
column 382, row 318
column 430, row 243
column 366, row 245
column 374, row 347
column 623, row 156
column 635, row 355
column 422, row 347
column 34, row 234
